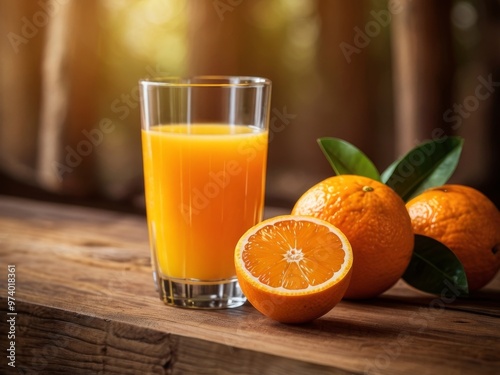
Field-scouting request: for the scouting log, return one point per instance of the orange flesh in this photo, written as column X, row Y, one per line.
column 293, row 255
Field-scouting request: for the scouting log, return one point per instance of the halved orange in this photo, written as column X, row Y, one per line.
column 293, row 268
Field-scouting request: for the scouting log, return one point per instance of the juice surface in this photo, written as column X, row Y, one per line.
column 204, row 188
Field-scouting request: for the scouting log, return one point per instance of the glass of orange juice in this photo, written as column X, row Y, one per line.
column 204, row 142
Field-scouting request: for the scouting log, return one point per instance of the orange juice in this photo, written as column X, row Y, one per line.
column 204, row 188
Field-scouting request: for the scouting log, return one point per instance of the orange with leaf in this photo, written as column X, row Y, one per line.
column 467, row 222
column 432, row 266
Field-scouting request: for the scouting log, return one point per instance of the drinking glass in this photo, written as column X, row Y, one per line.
column 204, row 142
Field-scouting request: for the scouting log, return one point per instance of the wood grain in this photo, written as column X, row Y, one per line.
column 86, row 304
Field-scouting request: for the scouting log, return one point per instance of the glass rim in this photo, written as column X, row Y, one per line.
column 206, row 81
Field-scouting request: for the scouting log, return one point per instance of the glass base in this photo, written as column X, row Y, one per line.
column 200, row 294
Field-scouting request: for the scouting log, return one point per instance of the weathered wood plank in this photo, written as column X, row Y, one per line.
column 86, row 304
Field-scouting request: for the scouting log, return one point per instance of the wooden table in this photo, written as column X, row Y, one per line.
column 86, row 304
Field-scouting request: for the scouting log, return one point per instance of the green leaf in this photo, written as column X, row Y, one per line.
column 427, row 165
column 345, row 158
column 435, row 269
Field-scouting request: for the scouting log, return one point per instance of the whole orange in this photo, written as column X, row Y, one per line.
column 466, row 221
column 376, row 223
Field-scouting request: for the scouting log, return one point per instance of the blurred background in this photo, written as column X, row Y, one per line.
column 384, row 75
